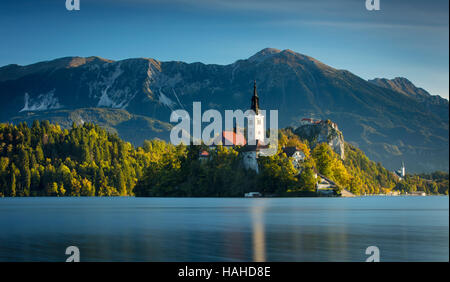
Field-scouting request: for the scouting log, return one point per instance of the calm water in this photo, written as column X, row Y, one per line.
column 212, row 229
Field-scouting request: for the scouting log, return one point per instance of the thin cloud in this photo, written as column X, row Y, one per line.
column 357, row 25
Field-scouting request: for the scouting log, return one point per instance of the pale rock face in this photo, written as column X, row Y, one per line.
column 334, row 138
column 111, row 96
column 250, row 160
column 337, row 144
column 163, row 99
column 323, row 132
column 42, row 102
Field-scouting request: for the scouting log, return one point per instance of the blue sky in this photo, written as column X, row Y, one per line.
column 407, row 38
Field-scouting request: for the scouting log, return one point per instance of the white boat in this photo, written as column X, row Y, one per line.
column 252, row 195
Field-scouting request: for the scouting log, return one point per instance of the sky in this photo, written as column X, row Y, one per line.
column 408, row 38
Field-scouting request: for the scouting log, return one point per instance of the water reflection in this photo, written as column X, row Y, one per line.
column 258, row 233
column 160, row 229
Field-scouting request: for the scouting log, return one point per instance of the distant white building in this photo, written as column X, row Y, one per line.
column 401, row 173
column 312, row 121
column 296, row 154
column 309, row 121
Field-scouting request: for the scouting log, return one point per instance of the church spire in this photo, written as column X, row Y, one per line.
column 255, row 99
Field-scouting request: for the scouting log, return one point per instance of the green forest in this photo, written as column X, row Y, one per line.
column 85, row 160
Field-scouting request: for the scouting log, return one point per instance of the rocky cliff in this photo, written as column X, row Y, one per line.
column 324, row 131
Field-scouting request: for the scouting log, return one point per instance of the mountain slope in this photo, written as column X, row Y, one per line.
column 130, row 127
column 386, row 124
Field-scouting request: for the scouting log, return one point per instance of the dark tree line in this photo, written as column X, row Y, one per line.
column 44, row 160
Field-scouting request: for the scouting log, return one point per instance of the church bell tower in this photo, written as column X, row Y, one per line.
column 256, row 127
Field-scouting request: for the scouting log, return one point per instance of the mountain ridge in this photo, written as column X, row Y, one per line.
column 388, row 125
column 406, row 87
column 75, row 61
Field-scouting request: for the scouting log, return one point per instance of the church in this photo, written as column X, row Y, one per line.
column 252, row 147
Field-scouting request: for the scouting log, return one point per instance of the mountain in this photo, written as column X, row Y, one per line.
column 388, row 125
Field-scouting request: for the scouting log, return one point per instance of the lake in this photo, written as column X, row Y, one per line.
column 225, row 229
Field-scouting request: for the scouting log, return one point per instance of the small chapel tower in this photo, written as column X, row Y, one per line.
column 403, row 170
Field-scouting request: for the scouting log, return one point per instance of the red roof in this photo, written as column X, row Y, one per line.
column 204, row 153
column 311, row 120
column 259, row 145
column 231, row 138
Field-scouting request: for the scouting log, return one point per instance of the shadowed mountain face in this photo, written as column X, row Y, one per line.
column 391, row 121
column 406, row 87
column 434, row 103
column 402, row 85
